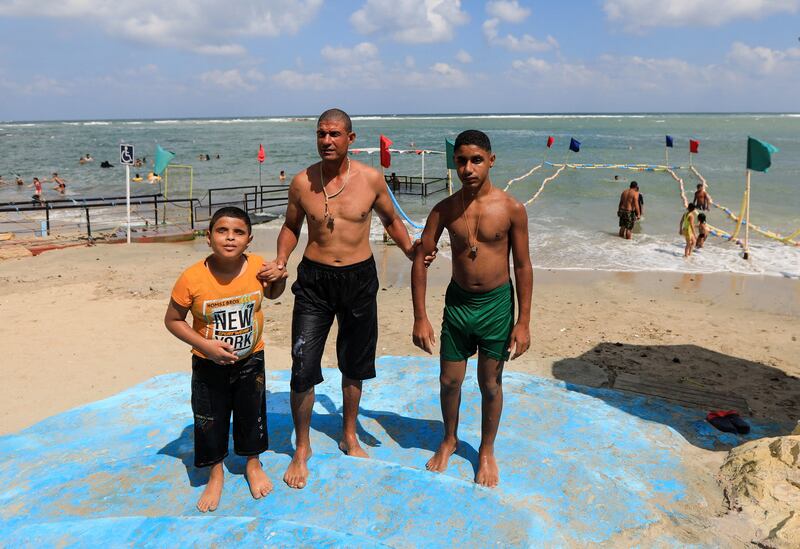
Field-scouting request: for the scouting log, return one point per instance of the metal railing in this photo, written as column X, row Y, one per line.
column 90, row 204
column 415, row 185
column 254, row 200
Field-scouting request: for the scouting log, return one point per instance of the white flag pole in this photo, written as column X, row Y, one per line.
column 128, row 197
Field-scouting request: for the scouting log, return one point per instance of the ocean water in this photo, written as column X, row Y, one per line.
column 573, row 224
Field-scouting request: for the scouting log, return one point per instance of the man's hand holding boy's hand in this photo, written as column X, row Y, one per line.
column 520, row 340
column 272, row 271
column 423, row 335
column 428, row 258
column 219, row 352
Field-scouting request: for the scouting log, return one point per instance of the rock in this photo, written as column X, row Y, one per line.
column 762, row 479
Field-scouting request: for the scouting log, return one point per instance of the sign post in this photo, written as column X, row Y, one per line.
column 126, row 157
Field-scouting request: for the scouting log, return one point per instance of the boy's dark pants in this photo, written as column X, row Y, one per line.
column 216, row 392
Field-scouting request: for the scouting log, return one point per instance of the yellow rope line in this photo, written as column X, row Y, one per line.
column 545, row 182
column 522, row 176
column 738, row 219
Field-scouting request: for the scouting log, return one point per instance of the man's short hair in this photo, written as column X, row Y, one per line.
column 699, row 185
column 691, row 206
column 231, row 211
column 473, row 137
column 336, row 115
column 634, row 185
column 701, row 218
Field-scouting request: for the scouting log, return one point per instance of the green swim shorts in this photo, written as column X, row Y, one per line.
column 481, row 321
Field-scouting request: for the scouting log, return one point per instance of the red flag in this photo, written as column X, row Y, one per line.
column 693, row 146
column 386, row 156
column 261, row 154
column 550, row 141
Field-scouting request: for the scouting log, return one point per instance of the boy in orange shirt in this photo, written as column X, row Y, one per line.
column 224, row 297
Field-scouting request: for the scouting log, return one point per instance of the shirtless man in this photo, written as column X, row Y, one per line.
column 336, row 278
column 61, row 185
column 484, row 225
column 702, row 200
column 629, row 210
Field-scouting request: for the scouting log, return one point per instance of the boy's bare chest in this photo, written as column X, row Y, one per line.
column 491, row 225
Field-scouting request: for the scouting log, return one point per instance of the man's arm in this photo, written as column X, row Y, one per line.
column 523, row 276
column 636, row 207
column 287, row 237
column 621, row 199
column 391, row 221
column 422, row 334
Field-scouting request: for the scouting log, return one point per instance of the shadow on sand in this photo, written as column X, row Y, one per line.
column 679, row 370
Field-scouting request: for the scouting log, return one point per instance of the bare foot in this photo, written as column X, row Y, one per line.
column 260, row 485
column 296, row 474
column 488, row 472
column 438, row 463
column 210, row 498
column 351, row 447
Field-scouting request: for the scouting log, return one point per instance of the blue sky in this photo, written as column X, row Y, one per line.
column 90, row 59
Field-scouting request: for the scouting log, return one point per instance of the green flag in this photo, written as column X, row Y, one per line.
column 449, row 148
column 163, row 158
column 759, row 154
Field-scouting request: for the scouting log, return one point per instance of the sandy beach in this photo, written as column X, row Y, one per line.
column 86, row 322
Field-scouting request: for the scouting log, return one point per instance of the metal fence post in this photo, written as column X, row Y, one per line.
column 88, row 225
column 47, row 217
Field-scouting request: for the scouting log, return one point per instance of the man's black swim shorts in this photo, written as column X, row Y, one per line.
column 323, row 292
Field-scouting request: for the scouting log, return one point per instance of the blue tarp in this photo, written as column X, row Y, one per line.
column 575, row 469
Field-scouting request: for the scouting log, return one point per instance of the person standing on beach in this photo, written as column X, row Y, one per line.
column 224, row 295
column 702, row 200
column 628, row 210
column 336, row 278
column 485, row 224
column 687, row 230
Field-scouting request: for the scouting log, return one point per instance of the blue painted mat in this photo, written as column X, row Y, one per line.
column 578, row 466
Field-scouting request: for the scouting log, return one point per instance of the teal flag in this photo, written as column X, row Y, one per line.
column 450, row 153
column 759, row 154
column 163, row 158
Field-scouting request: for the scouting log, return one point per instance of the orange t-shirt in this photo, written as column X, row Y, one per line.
column 228, row 312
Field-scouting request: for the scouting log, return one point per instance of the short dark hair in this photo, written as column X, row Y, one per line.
column 231, row 211
column 634, row 185
column 473, row 137
column 702, row 218
column 691, row 206
column 699, row 185
column 336, row 114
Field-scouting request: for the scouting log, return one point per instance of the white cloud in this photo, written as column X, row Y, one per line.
column 206, row 27
column 233, row 79
column 764, row 61
column 410, row 21
column 463, row 57
column 357, row 54
column 507, row 10
column 513, row 43
column 639, row 14
column 295, row 80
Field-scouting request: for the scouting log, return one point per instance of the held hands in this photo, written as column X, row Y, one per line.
column 428, row 258
column 220, row 352
column 272, row 271
column 520, row 340
column 423, row 335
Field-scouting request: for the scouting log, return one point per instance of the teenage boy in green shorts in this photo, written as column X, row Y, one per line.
column 484, row 224
column 224, row 297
